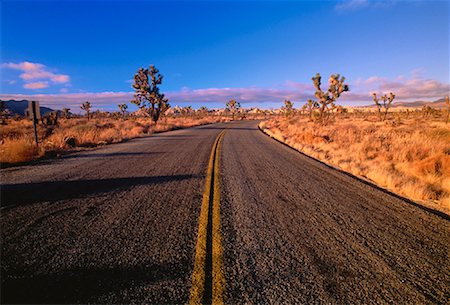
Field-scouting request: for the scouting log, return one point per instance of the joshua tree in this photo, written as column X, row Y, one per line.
column 147, row 96
column 163, row 110
column 187, row 111
column 2, row 113
column 86, row 106
column 447, row 103
column 327, row 98
column 288, row 108
column 123, row 108
column 66, row 112
column 387, row 101
column 50, row 119
column 341, row 110
column 203, row 111
column 233, row 107
column 428, row 111
column 310, row 106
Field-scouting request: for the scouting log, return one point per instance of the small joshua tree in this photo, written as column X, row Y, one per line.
column 187, row 111
column 203, row 111
column 66, row 112
column 447, row 103
column 2, row 113
column 288, row 108
column 428, row 111
column 383, row 108
column 310, row 106
column 233, row 107
column 326, row 99
column 50, row 119
column 86, row 106
column 123, row 108
column 341, row 110
column 163, row 110
column 147, row 96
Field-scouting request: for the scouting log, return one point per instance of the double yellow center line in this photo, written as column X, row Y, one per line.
column 208, row 279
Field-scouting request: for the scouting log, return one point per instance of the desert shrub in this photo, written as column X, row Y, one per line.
column 18, row 150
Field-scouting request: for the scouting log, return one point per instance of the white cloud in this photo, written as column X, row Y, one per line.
column 353, row 5
column 33, row 72
column 24, row 66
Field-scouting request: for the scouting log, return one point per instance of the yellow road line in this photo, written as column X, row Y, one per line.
column 198, row 276
column 218, row 276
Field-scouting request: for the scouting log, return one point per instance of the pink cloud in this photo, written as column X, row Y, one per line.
column 373, row 80
column 247, row 94
column 406, row 88
column 36, row 85
column 60, row 78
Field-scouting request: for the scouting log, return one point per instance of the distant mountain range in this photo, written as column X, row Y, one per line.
column 18, row 107
column 440, row 103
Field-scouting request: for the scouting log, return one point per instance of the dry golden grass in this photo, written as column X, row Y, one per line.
column 17, row 139
column 410, row 156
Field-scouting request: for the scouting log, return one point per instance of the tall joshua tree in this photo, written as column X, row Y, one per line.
column 86, row 106
column 233, row 107
column 147, row 96
column 327, row 98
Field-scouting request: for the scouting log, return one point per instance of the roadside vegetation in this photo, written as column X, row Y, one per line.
column 17, row 142
column 61, row 131
column 406, row 151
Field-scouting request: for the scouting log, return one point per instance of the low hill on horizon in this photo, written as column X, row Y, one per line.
column 440, row 103
column 18, row 107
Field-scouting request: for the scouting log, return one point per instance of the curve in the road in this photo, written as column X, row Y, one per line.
column 120, row 224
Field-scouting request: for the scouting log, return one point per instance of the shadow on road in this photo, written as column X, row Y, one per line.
column 28, row 193
column 231, row 128
column 111, row 155
column 162, row 136
column 84, row 284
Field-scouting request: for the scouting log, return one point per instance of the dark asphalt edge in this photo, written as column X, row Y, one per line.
column 366, row 182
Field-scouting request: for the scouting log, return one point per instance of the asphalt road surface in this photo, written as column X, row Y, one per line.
column 119, row 224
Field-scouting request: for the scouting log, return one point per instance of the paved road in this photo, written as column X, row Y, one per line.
column 119, row 225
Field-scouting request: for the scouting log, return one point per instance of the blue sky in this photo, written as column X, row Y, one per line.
column 65, row 52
